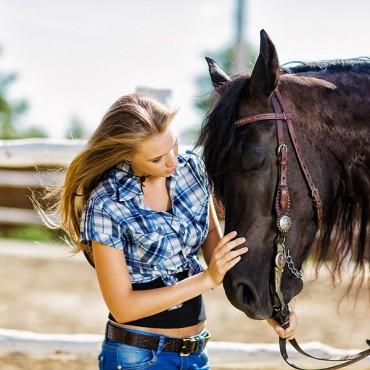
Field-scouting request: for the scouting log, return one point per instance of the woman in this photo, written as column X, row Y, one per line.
column 140, row 212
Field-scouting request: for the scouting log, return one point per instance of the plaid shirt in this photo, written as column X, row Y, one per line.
column 155, row 243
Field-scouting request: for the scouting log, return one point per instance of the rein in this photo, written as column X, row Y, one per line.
column 283, row 222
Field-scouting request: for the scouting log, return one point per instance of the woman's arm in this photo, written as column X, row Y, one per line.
column 125, row 304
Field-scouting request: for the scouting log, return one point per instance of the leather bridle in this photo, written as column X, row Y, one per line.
column 283, row 222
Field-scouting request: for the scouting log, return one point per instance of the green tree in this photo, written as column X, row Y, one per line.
column 76, row 129
column 10, row 111
column 225, row 59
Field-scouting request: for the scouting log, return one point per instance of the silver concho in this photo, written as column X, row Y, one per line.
column 280, row 260
column 284, row 223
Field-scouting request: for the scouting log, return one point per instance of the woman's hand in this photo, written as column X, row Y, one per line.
column 287, row 333
column 224, row 257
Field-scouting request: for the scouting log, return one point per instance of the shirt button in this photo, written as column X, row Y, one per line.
column 119, row 367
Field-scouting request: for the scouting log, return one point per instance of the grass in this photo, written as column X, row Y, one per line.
column 31, row 232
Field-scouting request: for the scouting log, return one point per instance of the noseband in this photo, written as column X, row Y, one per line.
column 283, row 222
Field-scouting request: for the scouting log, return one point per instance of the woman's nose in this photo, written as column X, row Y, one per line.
column 171, row 159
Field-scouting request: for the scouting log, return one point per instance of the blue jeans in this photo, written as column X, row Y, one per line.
column 115, row 355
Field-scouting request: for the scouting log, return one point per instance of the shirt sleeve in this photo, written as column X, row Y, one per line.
column 99, row 222
column 199, row 170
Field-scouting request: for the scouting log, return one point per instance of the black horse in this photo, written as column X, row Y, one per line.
column 329, row 103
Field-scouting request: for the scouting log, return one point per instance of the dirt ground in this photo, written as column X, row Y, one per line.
column 61, row 295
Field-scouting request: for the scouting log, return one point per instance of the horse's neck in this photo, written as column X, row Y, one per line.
column 331, row 116
column 333, row 110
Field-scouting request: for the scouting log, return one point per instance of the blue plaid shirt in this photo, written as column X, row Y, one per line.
column 155, row 243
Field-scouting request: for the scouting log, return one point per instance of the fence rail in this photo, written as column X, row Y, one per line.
column 38, row 152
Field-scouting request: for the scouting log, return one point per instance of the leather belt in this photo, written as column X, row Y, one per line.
column 184, row 346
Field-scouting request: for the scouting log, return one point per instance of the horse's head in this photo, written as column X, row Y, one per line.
column 241, row 162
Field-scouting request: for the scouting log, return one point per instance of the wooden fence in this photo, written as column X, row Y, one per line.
column 27, row 165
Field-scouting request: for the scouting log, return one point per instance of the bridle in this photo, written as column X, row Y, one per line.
column 283, row 222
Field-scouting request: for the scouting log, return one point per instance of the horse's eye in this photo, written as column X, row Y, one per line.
column 253, row 158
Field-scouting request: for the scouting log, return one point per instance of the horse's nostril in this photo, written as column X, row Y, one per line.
column 246, row 293
column 243, row 294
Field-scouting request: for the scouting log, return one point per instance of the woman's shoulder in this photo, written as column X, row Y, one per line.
column 193, row 161
column 192, row 157
column 105, row 191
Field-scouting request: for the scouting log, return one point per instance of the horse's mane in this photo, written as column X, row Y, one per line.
column 357, row 65
column 217, row 135
column 345, row 235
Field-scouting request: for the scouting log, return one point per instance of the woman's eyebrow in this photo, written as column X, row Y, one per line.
column 152, row 159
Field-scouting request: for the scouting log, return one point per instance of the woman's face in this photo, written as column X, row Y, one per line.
column 156, row 155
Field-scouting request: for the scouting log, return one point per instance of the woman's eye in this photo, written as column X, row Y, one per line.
column 156, row 160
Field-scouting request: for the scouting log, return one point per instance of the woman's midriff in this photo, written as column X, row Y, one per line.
column 175, row 332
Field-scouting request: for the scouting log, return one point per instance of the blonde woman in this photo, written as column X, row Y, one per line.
column 140, row 212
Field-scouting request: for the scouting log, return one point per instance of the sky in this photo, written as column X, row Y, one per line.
column 75, row 58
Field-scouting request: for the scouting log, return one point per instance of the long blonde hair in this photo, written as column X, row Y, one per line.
column 129, row 121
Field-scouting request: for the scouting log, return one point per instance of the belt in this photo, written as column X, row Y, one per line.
column 184, row 346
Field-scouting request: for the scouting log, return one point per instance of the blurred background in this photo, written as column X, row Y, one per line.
column 62, row 64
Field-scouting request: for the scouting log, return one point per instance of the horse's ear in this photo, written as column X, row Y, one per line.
column 266, row 71
column 218, row 76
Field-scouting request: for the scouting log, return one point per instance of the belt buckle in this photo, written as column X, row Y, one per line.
column 206, row 337
column 184, row 345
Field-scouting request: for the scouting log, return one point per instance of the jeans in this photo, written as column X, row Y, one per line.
column 115, row 355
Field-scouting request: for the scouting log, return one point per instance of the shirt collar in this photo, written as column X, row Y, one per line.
column 129, row 184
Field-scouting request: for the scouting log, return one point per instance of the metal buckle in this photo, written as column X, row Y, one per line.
column 282, row 147
column 315, row 191
column 205, row 335
column 184, row 345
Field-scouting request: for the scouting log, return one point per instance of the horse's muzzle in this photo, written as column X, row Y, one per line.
column 245, row 297
column 256, row 300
